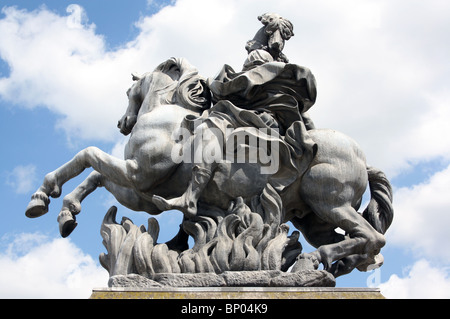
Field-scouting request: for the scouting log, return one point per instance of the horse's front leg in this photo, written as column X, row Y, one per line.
column 72, row 202
column 112, row 168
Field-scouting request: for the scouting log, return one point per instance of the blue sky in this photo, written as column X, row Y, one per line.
column 382, row 74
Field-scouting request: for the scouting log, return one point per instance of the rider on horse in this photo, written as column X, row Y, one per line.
column 268, row 94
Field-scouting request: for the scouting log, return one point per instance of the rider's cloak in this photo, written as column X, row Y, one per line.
column 272, row 96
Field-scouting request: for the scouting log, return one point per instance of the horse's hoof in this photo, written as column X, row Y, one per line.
column 38, row 205
column 372, row 263
column 306, row 261
column 67, row 223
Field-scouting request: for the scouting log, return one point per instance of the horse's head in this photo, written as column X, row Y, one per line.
column 129, row 119
column 174, row 81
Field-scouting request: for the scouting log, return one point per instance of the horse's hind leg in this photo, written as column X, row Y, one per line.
column 362, row 238
column 332, row 196
column 362, row 262
column 316, row 231
column 319, row 233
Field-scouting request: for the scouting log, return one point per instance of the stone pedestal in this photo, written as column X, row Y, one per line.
column 236, row 293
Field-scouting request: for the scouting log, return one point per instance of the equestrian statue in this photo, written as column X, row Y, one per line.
column 240, row 157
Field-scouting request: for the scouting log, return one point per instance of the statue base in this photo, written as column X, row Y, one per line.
column 236, row 293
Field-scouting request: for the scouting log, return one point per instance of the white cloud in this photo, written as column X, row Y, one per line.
column 77, row 16
column 422, row 217
column 423, row 281
column 35, row 266
column 61, row 64
column 22, row 178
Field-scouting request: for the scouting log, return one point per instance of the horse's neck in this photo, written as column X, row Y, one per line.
column 150, row 102
column 155, row 98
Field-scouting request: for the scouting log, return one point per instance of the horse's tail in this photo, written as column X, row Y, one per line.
column 380, row 212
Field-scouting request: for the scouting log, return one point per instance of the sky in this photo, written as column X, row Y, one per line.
column 382, row 78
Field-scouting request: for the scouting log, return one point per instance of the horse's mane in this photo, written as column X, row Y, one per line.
column 190, row 90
